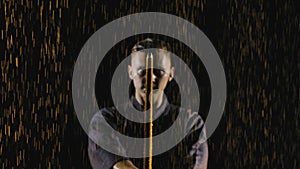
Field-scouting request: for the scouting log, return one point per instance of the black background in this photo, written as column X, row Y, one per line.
column 257, row 41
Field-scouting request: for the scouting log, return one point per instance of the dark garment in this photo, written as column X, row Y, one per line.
column 189, row 153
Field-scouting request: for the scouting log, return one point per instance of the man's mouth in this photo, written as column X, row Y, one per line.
column 144, row 89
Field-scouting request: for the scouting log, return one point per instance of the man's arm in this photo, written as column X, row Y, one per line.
column 201, row 155
column 197, row 136
column 100, row 158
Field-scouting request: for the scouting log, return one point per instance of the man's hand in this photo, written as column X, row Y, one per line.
column 125, row 164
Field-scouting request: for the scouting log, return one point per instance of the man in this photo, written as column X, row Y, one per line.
column 149, row 84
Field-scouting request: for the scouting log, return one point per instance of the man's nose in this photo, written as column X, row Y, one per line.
column 152, row 77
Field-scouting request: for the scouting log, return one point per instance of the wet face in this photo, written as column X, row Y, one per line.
column 143, row 79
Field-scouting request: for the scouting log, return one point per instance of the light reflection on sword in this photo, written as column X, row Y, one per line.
column 151, row 111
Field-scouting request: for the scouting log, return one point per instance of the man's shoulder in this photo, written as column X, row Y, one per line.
column 107, row 113
column 189, row 117
column 189, row 113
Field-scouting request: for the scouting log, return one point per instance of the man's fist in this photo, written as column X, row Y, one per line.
column 125, row 164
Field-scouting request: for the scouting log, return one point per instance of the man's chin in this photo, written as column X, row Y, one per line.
column 154, row 92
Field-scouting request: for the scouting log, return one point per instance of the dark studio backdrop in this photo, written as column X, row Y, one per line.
column 257, row 41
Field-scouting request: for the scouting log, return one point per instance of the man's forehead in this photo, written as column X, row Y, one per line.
column 160, row 61
column 158, row 54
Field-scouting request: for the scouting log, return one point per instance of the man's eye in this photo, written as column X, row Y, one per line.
column 141, row 72
column 162, row 72
column 157, row 72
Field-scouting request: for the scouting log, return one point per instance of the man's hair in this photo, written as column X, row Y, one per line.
column 151, row 43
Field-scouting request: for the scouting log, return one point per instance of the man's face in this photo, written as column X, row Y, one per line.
column 142, row 77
